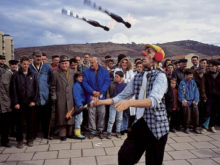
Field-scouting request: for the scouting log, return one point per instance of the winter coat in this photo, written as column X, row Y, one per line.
column 44, row 79
column 5, row 101
column 79, row 94
column 61, row 93
column 210, row 85
column 24, row 89
column 179, row 75
column 188, row 92
column 96, row 82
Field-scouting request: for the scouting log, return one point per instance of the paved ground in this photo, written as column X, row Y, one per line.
column 181, row 149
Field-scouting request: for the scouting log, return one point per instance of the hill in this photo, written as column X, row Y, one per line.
column 133, row 50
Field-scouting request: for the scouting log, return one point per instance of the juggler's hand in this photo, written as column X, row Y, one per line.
column 122, row 105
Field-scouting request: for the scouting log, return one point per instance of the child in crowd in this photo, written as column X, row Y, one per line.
column 24, row 95
column 188, row 95
column 139, row 67
column 79, row 99
column 115, row 88
column 174, row 113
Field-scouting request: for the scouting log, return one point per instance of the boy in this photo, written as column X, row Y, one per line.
column 119, row 86
column 139, row 67
column 174, row 113
column 79, row 99
column 24, row 95
column 189, row 97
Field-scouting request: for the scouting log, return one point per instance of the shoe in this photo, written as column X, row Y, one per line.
column 187, row 131
column 213, row 130
column 203, row 130
column 63, row 138
column 173, row 130
column 118, row 135
column 81, row 137
column 196, row 130
column 30, row 144
column 50, row 137
column 91, row 136
column 109, row 136
column 123, row 132
column 101, row 136
column 78, row 135
column 6, row 145
column 20, row 145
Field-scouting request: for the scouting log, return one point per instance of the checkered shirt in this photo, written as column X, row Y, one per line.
column 156, row 118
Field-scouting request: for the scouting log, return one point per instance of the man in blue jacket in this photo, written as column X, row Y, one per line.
column 96, row 81
column 43, row 73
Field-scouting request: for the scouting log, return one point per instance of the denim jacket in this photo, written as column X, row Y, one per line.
column 188, row 91
column 44, row 79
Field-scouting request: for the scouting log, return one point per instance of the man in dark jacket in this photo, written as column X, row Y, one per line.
column 210, row 93
column 179, row 72
column 96, row 81
column 44, row 74
column 24, row 95
column 5, row 105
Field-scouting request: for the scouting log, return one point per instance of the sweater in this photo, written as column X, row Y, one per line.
column 118, row 88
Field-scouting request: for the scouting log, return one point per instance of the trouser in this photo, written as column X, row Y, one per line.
column 174, row 119
column 78, row 120
column 213, row 109
column 12, row 125
column 65, row 130
column 25, row 116
column 125, row 120
column 85, row 121
column 113, row 114
column 96, row 120
column 191, row 113
column 139, row 140
column 202, row 112
column 4, row 124
column 52, row 122
column 43, row 115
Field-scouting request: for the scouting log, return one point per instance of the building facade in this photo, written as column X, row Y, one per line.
column 6, row 46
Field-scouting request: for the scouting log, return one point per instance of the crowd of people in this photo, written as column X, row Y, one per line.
column 36, row 96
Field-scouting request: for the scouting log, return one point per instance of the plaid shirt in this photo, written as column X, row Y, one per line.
column 155, row 116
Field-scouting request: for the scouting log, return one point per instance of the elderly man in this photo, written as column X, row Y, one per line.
column 61, row 94
column 151, row 127
column 44, row 74
column 5, row 106
column 96, row 82
column 2, row 62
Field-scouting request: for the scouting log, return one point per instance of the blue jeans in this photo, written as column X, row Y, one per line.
column 78, row 120
column 112, row 115
column 126, row 116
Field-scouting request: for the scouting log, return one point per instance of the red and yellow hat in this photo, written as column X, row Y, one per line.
column 159, row 56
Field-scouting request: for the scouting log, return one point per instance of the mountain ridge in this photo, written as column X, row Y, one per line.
column 133, row 50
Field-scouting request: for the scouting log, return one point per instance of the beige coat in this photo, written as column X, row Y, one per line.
column 61, row 92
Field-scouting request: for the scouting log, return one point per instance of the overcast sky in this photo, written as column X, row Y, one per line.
column 39, row 22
